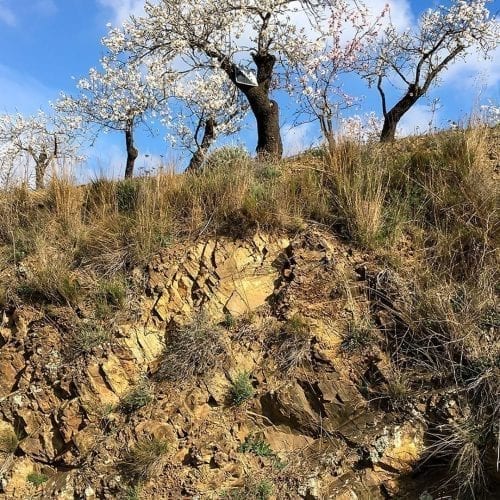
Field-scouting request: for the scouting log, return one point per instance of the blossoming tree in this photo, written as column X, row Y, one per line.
column 116, row 98
column 219, row 36
column 317, row 65
column 205, row 108
column 35, row 142
column 417, row 57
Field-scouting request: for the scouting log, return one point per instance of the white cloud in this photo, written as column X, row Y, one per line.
column 7, row 16
column 122, row 9
column 418, row 120
column 474, row 72
column 299, row 138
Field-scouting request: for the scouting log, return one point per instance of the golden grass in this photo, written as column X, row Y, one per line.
column 428, row 205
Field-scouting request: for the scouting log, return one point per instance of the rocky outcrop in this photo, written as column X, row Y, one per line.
column 328, row 439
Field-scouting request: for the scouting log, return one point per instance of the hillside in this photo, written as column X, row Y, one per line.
column 321, row 327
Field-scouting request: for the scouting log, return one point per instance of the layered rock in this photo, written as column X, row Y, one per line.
column 323, row 429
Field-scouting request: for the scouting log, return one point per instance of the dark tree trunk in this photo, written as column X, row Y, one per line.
column 132, row 152
column 326, row 126
column 200, row 154
column 265, row 110
column 394, row 115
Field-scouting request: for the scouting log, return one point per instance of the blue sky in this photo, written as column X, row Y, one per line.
column 43, row 43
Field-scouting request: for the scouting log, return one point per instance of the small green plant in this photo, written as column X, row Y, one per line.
column 37, row 479
column 132, row 492
column 257, row 446
column 261, row 448
column 397, row 391
column 127, row 195
column 8, row 441
column 253, row 490
column 229, row 321
column 145, row 458
column 241, row 389
column 357, row 337
column 263, row 489
column 85, row 338
column 110, row 296
column 138, row 397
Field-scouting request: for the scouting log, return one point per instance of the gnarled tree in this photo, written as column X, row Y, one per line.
column 417, row 57
column 34, row 143
column 204, row 107
column 116, row 98
column 214, row 35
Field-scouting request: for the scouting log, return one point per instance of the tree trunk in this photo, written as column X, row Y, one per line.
column 265, row 110
column 394, row 115
column 132, row 152
column 200, row 154
column 326, row 126
column 40, row 168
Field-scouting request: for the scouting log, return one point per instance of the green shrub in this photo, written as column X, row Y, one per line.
column 86, row 337
column 37, row 479
column 241, row 389
column 358, row 336
column 139, row 396
column 257, row 446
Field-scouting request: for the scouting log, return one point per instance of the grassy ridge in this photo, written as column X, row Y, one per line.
column 427, row 207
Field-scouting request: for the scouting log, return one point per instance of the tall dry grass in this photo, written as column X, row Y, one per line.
column 427, row 205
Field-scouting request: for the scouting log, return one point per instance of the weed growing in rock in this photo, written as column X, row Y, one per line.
column 229, row 321
column 37, row 479
column 357, row 337
column 132, row 492
column 192, row 351
column 257, row 446
column 8, row 441
column 145, row 459
column 110, row 296
column 253, row 490
column 397, row 391
column 241, row 389
column 85, row 338
column 293, row 346
column 138, row 397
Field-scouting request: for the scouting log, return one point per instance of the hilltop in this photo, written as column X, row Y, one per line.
column 324, row 326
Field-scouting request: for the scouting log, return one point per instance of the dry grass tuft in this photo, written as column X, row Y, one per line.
column 193, row 350
column 145, row 459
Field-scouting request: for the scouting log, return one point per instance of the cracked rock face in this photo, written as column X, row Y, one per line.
column 327, row 439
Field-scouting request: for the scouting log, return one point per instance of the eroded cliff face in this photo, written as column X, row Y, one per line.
column 283, row 311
